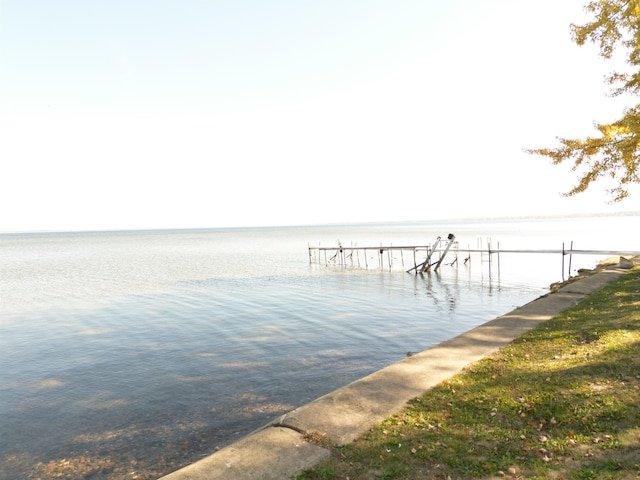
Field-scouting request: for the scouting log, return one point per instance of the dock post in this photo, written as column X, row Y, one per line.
column 490, row 257
column 451, row 237
column 498, row 261
column 570, row 257
column 427, row 263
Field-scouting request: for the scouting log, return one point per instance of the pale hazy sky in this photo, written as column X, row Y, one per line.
column 175, row 114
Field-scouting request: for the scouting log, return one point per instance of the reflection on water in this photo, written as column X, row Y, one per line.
column 143, row 351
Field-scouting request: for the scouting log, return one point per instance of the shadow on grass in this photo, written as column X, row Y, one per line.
column 561, row 401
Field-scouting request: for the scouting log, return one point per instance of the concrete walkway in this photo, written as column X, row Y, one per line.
column 278, row 450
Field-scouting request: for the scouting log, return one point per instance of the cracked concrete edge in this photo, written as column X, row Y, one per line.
column 267, row 454
column 280, row 450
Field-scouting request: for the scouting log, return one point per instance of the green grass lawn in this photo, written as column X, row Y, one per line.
column 560, row 402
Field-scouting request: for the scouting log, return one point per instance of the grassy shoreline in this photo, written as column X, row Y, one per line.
column 560, row 402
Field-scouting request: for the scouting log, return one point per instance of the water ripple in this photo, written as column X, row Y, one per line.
column 145, row 345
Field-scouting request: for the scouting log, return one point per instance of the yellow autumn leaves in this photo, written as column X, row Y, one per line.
column 614, row 153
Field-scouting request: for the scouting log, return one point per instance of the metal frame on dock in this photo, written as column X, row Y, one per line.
column 350, row 256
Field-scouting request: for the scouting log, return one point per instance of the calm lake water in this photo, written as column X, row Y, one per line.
column 131, row 354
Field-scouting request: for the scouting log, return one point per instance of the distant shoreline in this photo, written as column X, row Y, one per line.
column 439, row 221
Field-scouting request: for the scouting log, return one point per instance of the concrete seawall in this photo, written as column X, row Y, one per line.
column 279, row 450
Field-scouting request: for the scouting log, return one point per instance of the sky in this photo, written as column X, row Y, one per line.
column 202, row 114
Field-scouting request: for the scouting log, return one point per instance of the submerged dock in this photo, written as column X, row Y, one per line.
column 429, row 257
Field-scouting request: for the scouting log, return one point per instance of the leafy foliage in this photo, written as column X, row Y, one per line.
column 614, row 153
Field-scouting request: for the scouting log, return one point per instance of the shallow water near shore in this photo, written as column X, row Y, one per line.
column 130, row 354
